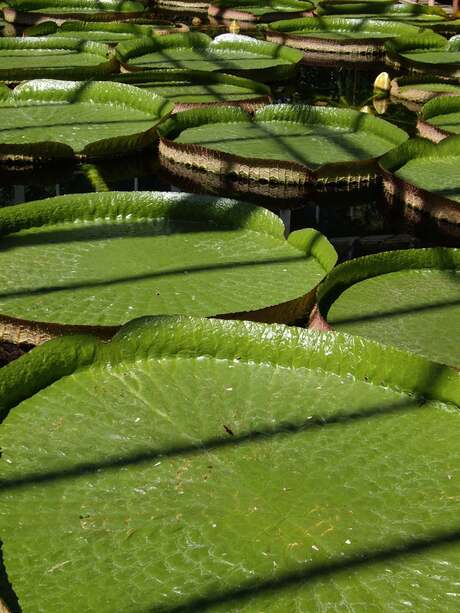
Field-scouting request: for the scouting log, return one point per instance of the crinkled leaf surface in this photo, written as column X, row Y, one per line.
column 416, row 307
column 222, row 466
column 105, row 258
column 432, row 87
column 447, row 119
column 53, row 7
column 195, row 51
column 189, row 86
column 341, row 28
column 435, row 175
column 110, row 33
column 28, row 57
column 307, row 135
column 428, row 166
column 268, row 7
column 78, row 115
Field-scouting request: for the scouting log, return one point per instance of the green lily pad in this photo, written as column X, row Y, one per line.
column 102, row 259
column 190, row 88
column 417, row 14
column 440, row 117
column 225, row 466
column 427, row 53
column 231, row 53
column 35, row 11
column 425, row 176
column 422, row 89
column 109, row 33
column 59, row 58
column 408, row 299
column 338, row 34
column 45, row 118
column 353, row 7
column 249, row 10
column 280, row 143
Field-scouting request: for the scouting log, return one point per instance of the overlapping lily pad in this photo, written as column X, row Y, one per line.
column 415, row 91
column 29, row 12
column 108, row 33
column 430, row 53
column 250, row 10
column 227, row 466
column 425, row 176
column 407, row 299
column 338, row 34
column 102, row 259
column 193, row 88
column 288, row 144
column 231, row 53
column 46, row 118
column 58, row 58
column 440, row 118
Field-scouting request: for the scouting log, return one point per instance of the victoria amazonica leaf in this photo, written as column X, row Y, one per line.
column 425, row 176
column 47, row 118
column 105, row 258
column 248, row 10
column 34, row 11
column 196, row 51
column 228, row 466
column 195, row 87
column 110, row 33
column 341, row 28
column 309, row 137
column 408, row 299
column 421, row 89
column 428, row 53
column 441, row 116
column 30, row 57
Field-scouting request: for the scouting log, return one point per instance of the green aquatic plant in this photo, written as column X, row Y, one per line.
column 408, row 299
column 231, row 53
column 283, row 143
column 227, row 466
column 57, row 58
column 85, row 119
column 105, row 258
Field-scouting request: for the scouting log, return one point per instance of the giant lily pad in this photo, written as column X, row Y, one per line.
column 427, row 53
column 249, row 10
column 425, row 176
column 414, row 91
column 225, row 466
column 108, row 33
column 289, row 144
column 353, row 7
column 408, row 299
column 338, row 34
column 417, row 14
column 31, row 12
column 192, row 88
column 47, row 119
column 59, row 58
column 440, row 118
column 232, row 53
column 103, row 259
